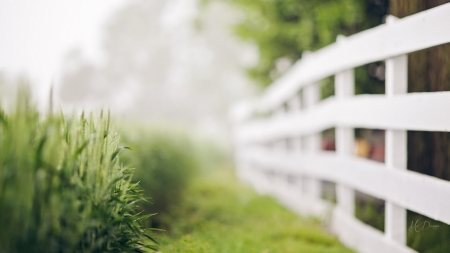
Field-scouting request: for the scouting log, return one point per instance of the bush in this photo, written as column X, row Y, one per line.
column 165, row 160
column 62, row 188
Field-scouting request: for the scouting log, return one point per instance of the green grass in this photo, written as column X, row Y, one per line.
column 222, row 216
column 62, row 185
column 165, row 159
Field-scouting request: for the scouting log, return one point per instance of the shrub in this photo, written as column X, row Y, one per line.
column 62, row 188
column 166, row 160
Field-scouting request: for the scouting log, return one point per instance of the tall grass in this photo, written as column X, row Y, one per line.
column 166, row 160
column 62, row 186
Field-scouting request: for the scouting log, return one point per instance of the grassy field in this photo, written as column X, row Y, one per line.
column 222, row 216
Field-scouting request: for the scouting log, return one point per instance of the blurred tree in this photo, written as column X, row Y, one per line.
column 283, row 29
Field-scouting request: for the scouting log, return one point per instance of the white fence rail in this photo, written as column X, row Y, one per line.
column 293, row 174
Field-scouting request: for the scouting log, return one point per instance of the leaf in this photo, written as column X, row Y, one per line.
column 115, row 153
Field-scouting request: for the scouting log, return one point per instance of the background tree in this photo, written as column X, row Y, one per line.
column 428, row 70
column 283, row 29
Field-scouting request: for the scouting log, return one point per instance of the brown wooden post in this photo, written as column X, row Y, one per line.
column 428, row 71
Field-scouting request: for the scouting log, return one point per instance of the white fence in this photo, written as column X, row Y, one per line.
column 293, row 175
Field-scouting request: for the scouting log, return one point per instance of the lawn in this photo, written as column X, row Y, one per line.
column 221, row 215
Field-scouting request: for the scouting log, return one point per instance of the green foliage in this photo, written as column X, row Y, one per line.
column 423, row 233
column 370, row 210
column 327, row 87
column 225, row 217
column 368, row 81
column 62, row 188
column 165, row 160
column 284, row 29
column 427, row 235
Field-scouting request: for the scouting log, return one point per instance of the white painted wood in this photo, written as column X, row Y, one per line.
column 312, row 143
column 362, row 237
column 268, row 170
column 296, row 144
column 294, row 103
column 306, row 205
column 312, row 186
column 397, row 75
column 417, row 192
column 279, row 112
column 396, row 148
column 277, row 179
column 311, row 95
column 294, row 106
column 395, row 222
column 344, row 82
column 413, row 111
column 279, row 145
column 294, row 200
column 296, row 147
column 345, row 88
column 413, row 33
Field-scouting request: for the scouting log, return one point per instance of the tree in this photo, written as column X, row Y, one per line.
column 428, row 71
column 283, row 29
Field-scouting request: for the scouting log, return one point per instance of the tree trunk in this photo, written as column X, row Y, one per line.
column 428, row 71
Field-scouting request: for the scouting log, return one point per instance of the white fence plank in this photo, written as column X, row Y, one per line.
column 417, row 192
column 311, row 95
column 294, row 199
column 414, row 111
column 294, row 104
column 413, row 33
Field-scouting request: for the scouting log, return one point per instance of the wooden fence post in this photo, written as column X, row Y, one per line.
column 396, row 148
column 280, row 180
column 294, row 106
column 312, row 186
column 345, row 138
